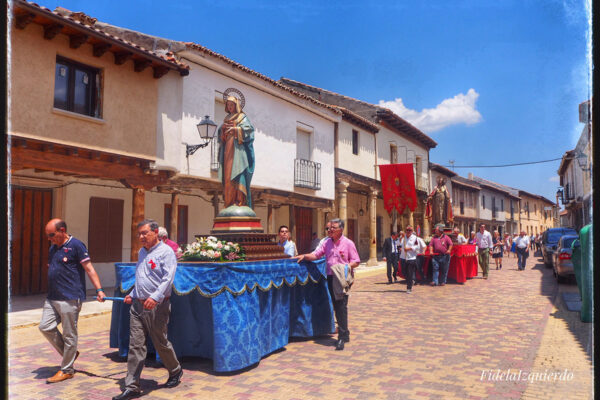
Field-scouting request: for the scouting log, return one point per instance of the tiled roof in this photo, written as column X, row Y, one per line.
column 496, row 186
column 441, row 168
column 357, row 119
column 565, row 161
column 197, row 47
column 86, row 24
column 465, row 182
column 369, row 111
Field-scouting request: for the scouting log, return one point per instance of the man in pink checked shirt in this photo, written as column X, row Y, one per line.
column 337, row 249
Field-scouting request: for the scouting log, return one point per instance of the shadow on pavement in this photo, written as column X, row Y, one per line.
column 45, row 372
column 549, row 287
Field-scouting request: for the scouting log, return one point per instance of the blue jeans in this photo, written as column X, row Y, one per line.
column 440, row 265
column 521, row 258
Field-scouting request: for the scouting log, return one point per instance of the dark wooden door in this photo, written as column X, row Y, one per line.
column 31, row 210
column 303, row 221
column 352, row 230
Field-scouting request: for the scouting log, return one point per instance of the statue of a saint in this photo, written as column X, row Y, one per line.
column 439, row 204
column 236, row 152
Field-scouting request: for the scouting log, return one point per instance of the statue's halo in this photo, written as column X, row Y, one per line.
column 235, row 93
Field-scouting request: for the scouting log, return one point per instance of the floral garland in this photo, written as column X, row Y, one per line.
column 212, row 249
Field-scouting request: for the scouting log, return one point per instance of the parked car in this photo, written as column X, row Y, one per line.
column 562, row 263
column 550, row 241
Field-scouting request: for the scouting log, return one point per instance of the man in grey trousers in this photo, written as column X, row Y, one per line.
column 68, row 260
column 150, row 309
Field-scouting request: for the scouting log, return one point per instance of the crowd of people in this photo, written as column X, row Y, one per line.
column 400, row 247
column 69, row 261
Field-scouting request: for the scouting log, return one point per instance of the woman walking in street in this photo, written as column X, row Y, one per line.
column 507, row 244
column 472, row 239
column 497, row 250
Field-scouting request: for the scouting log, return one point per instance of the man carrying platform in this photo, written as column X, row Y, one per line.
column 340, row 254
column 150, row 309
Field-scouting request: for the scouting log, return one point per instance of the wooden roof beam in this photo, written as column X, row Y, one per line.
column 122, row 57
column 159, row 72
column 140, row 65
column 50, row 31
column 21, row 21
column 101, row 48
column 75, row 41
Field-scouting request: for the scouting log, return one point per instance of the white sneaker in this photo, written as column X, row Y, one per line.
column 408, row 291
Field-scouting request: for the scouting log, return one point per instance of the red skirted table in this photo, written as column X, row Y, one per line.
column 463, row 262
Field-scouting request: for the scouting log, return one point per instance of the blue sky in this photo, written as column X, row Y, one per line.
column 493, row 82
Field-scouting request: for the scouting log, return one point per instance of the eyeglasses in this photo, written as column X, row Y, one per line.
column 144, row 233
column 51, row 235
column 332, row 228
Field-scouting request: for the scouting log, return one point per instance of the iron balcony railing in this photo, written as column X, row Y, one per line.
column 307, row 174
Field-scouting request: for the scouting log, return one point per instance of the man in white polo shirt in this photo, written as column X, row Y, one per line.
column 484, row 244
column 522, row 244
column 410, row 245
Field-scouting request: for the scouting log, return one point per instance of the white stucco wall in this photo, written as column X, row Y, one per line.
column 362, row 163
column 485, row 213
column 275, row 119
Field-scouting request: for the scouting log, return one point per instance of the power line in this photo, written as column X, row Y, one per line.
column 503, row 165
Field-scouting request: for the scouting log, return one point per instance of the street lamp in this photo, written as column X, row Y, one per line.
column 559, row 195
column 206, row 130
column 582, row 161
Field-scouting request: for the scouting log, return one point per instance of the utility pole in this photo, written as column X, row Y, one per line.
column 451, row 162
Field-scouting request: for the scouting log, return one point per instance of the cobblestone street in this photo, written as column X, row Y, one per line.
column 466, row 341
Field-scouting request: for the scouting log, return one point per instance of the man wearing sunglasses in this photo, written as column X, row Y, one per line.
column 68, row 262
column 339, row 251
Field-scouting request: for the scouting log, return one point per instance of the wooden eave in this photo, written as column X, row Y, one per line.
column 259, row 195
column 361, row 183
column 25, row 13
column 83, row 163
column 280, row 197
column 495, row 189
column 357, row 120
column 404, row 127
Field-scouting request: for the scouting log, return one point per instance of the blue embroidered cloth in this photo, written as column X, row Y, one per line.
column 235, row 313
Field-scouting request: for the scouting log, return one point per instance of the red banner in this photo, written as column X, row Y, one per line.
column 398, row 184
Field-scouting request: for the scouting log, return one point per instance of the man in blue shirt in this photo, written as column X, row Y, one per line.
column 68, row 259
column 150, row 309
column 289, row 247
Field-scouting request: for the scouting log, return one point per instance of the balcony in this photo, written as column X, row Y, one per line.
column 307, row 174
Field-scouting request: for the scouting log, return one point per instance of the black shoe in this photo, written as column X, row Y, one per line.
column 174, row 380
column 339, row 345
column 127, row 394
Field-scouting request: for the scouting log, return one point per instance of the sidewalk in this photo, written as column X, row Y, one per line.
column 25, row 311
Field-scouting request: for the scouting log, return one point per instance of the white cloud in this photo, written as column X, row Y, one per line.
column 460, row 109
column 554, row 178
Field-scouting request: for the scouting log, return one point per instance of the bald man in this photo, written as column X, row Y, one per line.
column 68, row 259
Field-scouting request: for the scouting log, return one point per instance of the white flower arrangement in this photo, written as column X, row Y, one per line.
column 212, row 249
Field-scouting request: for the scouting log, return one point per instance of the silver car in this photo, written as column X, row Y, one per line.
column 562, row 263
